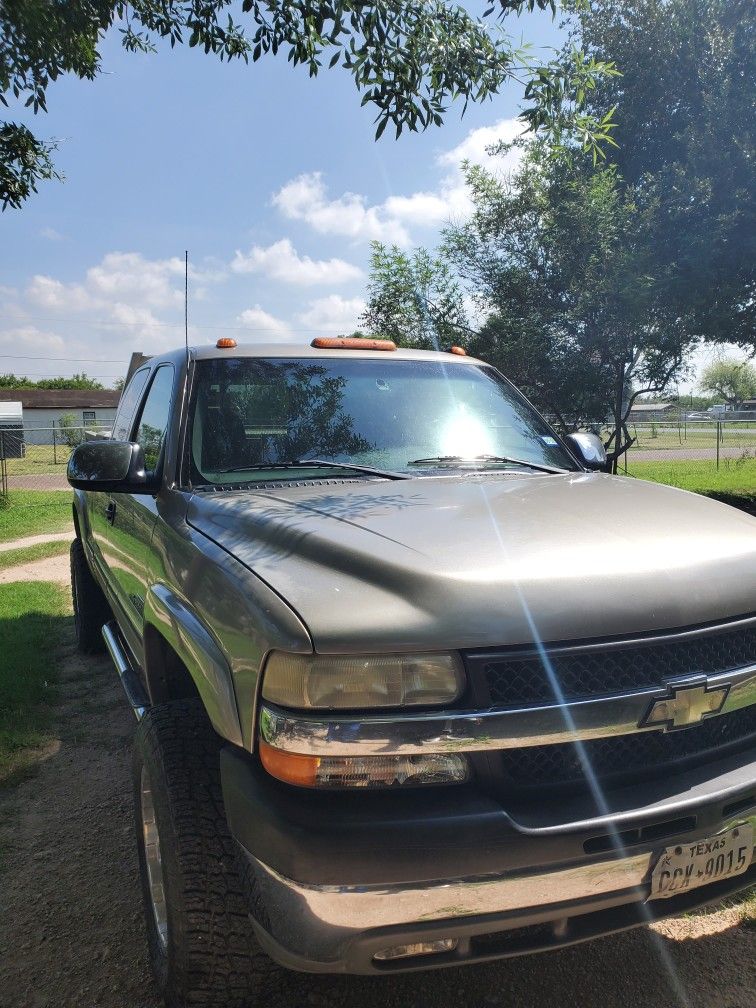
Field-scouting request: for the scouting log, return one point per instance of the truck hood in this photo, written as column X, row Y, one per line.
column 490, row 559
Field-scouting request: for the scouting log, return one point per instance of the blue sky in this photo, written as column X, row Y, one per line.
column 273, row 181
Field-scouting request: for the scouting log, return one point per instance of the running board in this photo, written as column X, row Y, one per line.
column 132, row 684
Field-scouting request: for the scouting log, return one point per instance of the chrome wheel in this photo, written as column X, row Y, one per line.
column 153, row 859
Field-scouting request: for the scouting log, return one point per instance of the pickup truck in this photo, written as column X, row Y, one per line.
column 417, row 682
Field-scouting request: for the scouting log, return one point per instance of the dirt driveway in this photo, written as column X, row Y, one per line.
column 71, row 933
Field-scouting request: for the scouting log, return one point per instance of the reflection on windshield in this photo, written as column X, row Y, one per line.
column 372, row 412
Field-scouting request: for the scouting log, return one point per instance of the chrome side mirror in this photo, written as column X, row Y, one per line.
column 589, row 449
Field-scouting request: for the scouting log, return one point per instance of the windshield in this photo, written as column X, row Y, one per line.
column 406, row 416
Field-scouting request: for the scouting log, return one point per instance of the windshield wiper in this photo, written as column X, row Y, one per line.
column 314, row 463
column 386, row 473
column 443, row 459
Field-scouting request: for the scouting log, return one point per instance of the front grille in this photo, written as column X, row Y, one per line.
column 517, row 681
column 627, row 754
column 509, row 679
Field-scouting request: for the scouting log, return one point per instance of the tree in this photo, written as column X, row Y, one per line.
column 408, row 58
column 77, row 381
column 15, row 382
column 731, row 380
column 686, row 148
column 557, row 255
column 413, row 300
column 118, row 384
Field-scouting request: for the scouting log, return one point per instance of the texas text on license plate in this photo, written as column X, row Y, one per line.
column 690, row 865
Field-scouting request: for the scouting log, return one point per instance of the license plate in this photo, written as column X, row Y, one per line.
column 691, row 865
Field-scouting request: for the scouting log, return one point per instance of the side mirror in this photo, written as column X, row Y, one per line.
column 589, row 449
column 110, row 466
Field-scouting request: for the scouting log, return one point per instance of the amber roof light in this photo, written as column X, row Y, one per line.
column 226, row 343
column 351, row 343
column 458, row 350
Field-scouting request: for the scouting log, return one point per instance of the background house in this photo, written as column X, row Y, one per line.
column 42, row 409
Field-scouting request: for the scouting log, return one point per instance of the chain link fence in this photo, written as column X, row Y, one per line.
column 35, row 458
column 715, row 442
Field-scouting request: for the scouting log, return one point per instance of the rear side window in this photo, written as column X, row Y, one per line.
column 154, row 419
column 128, row 404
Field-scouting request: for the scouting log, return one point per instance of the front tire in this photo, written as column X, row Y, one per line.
column 91, row 610
column 201, row 943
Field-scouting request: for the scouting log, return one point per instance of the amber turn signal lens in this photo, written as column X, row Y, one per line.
column 351, row 343
column 226, row 343
column 290, row 767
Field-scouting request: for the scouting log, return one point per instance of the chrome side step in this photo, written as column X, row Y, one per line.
column 132, row 684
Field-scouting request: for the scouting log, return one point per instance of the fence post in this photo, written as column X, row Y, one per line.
column 3, row 467
column 719, row 434
column 55, row 446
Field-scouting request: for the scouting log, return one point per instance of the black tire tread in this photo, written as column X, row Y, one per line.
column 213, row 958
column 91, row 609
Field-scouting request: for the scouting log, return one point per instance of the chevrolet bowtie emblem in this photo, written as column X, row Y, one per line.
column 686, row 704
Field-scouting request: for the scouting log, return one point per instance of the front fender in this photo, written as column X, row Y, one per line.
column 198, row 650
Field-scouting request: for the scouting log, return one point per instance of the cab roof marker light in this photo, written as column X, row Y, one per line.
column 226, row 343
column 351, row 343
column 458, row 350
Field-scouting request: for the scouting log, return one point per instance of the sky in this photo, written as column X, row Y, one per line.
column 271, row 180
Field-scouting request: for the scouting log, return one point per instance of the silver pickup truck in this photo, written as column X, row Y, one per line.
column 417, row 683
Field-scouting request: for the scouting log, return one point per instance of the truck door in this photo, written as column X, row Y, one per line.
column 131, row 517
column 98, row 504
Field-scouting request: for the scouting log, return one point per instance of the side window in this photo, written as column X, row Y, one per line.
column 125, row 413
column 154, row 419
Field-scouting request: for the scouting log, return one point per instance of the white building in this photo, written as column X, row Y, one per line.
column 43, row 409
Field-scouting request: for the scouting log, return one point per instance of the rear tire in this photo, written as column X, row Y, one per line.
column 91, row 610
column 202, row 946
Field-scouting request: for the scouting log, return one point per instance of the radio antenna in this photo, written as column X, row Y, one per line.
column 186, row 302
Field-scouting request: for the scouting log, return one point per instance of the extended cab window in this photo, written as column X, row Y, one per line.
column 388, row 414
column 154, row 419
column 128, row 404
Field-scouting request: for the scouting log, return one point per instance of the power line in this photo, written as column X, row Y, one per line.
column 65, row 360
column 161, row 325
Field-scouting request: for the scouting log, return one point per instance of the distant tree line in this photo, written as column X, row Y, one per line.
column 77, row 381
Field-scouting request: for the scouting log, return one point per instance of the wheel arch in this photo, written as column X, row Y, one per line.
column 182, row 661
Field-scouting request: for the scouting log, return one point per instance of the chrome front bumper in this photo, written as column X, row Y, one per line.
column 328, row 928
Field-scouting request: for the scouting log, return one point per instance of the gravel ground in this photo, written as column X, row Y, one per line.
column 71, row 932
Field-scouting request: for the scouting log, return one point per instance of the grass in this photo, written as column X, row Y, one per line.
column 40, row 459
column 33, row 618
column 28, row 554
column 735, row 477
column 33, row 512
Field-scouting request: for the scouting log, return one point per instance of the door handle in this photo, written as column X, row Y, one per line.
column 110, row 512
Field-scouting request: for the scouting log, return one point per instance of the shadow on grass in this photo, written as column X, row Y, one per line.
column 34, row 620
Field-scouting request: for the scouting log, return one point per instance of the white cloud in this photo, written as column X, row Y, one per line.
column 474, row 147
column 51, row 234
column 31, row 338
column 264, row 325
column 281, row 261
column 305, row 198
column 333, row 314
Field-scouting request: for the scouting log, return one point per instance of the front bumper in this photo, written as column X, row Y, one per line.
column 340, row 878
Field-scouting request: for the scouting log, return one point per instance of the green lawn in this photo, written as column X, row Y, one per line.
column 27, row 554
column 736, row 476
column 32, row 512
column 34, row 616
column 40, row 459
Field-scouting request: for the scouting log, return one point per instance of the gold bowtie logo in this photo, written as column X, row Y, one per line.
column 685, row 706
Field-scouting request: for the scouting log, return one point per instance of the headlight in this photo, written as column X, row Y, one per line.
column 344, row 682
